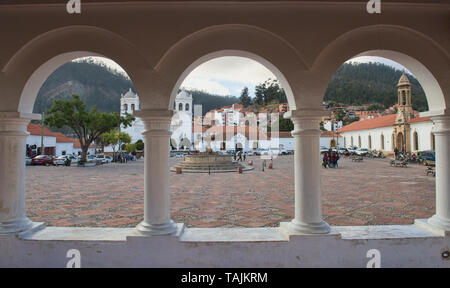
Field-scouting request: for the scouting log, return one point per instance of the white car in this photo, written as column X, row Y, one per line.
column 362, row 151
column 352, row 149
column 323, row 149
column 60, row 160
column 104, row 159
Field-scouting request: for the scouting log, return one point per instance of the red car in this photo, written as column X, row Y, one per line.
column 42, row 160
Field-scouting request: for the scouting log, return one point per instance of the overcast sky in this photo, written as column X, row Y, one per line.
column 229, row 75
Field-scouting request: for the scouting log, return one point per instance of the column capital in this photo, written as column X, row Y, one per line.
column 306, row 113
column 15, row 123
column 441, row 125
column 306, row 121
column 156, row 122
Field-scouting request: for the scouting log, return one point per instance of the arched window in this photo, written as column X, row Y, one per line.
column 359, row 141
column 345, row 142
column 180, row 107
column 132, row 108
column 416, row 141
column 125, row 107
column 370, row 141
column 351, row 141
column 403, row 97
column 382, row 142
column 174, row 105
column 187, row 107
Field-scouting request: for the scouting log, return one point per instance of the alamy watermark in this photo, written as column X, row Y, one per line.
column 375, row 258
column 373, row 6
column 75, row 258
column 73, row 7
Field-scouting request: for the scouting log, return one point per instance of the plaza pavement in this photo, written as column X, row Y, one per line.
column 111, row 195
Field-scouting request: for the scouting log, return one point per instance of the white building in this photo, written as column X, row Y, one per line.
column 403, row 130
column 54, row 143
column 181, row 125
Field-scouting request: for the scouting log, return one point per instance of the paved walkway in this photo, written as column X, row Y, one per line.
column 111, row 195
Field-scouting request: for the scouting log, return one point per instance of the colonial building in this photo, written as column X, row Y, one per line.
column 181, row 124
column 404, row 130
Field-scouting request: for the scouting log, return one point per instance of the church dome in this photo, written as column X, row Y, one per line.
column 129, row 94
column 403, row 80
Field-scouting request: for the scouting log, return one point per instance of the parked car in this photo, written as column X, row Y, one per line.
column 27, row 161
column 323, row 149
column 362, row 151
column 352, row 149
column 343, row 151
column 93, row 159
column 60, row 160
column 73, row 158
column 427, row 157
column 42, row 160
column 104, row 158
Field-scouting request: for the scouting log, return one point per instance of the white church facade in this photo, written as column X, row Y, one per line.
column 181, row 125
column 404, row 131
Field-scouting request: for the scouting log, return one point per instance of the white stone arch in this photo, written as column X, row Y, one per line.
column 26, row 71
column 397, row 43
column 265, row 47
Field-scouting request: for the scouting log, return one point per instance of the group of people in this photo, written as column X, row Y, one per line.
column 330, row 159
column 124, row 158
column 240, row 156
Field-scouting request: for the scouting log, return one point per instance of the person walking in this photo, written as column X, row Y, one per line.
column 325, row 160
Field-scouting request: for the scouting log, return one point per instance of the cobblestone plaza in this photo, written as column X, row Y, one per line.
column 111, row 195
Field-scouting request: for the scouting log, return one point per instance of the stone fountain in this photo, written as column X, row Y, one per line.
column 209, row 162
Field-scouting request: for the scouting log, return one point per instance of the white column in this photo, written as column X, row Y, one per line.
column 441, row 219
column 156, row 172
column 308, row 208
column 13, row 135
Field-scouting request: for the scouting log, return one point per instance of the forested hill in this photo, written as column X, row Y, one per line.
column 369, row 83
column 352, row 84
column 101, row 86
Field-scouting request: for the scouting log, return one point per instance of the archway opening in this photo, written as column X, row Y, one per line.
column 237, row 105
column 374, row 97
column 75, row 196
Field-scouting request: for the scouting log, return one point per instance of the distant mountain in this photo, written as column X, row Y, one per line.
column 99, row 85
column 352, row 84
column 370, row 83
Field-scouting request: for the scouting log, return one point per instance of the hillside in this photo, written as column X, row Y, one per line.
column 368, row 83
column 352, row 84
column 101, row 86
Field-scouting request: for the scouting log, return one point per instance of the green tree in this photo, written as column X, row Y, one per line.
column 130, row 147
column 245, row 99
column 285, row 125
column 87, row 125
column 259, row 94
column 113, row 138
column 140, row 145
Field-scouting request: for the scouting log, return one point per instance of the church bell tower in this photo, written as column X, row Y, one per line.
column 405, row 113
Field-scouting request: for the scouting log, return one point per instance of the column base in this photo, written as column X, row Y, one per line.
column 167, row 228
column 299, row 228
column 434, row 224
column 15, row 227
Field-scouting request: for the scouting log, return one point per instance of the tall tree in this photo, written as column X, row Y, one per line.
column 113, row 138
column 245, row 99
column 87, row 125
column 259, row 94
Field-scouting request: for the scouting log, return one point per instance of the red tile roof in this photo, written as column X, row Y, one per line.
column 383, row 121
column 36, row 129
column 378, row 122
